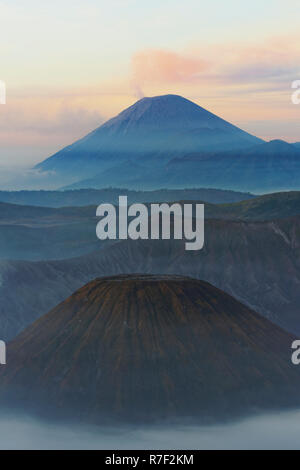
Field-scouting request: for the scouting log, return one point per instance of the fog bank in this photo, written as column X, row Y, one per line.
column 280, row 431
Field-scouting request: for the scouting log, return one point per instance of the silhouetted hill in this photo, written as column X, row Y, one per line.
column 144, row 348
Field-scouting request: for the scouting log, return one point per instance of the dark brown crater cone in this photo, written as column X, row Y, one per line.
column 143, row 348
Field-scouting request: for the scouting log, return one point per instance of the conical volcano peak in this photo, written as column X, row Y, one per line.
column 150, row 347
column 168, row 110
column 149, row 133
column 163, row 100
column 170, row 103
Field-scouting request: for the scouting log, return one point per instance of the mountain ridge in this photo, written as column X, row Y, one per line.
column 42, row 233
column 255, row 262
column 85, row 197
column 265, row 167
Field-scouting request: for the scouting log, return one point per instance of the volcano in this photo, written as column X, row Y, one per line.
column 141, row 139
column 145, row 347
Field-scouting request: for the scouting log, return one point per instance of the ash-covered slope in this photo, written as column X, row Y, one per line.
column 142, row 348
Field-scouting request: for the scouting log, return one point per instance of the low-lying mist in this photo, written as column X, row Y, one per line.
column 272, row 431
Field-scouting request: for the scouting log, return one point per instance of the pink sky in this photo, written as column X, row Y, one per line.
column 66, row 74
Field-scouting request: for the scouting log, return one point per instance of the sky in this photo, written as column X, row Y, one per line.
column 69, row 65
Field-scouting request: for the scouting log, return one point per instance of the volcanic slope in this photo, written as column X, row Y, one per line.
column 143, row 348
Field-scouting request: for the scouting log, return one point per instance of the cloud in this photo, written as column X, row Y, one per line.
column 274, row 60
column 32, row 128
column 157, row 65
column 269, row 431
column 65, row 120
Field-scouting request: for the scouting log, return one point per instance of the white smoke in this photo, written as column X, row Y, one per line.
column 137, row 90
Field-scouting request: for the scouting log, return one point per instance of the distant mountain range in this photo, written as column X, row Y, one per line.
column 257, row 262
column 146, row 348
column 40, row 233
column 270, row 166
column 87, row 197
column 170, row 142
